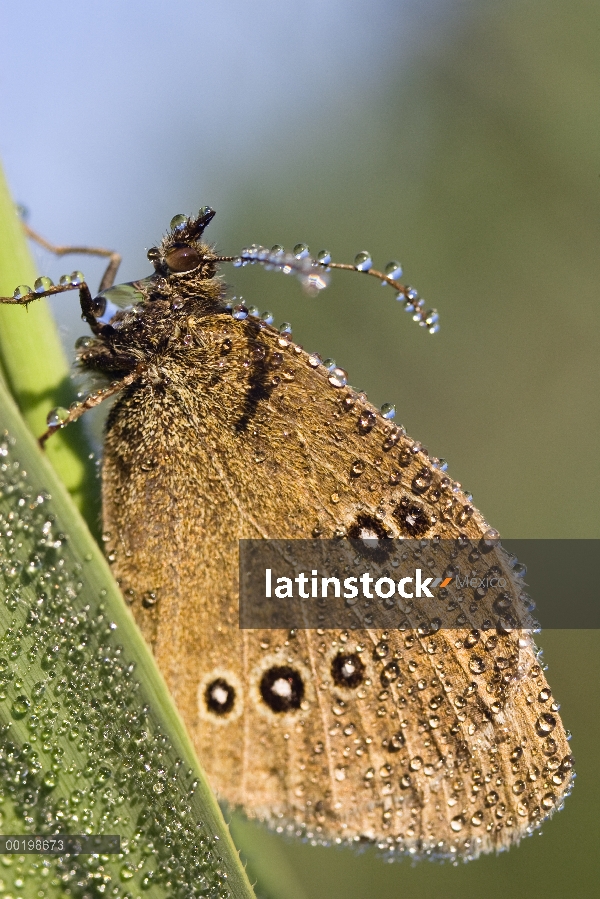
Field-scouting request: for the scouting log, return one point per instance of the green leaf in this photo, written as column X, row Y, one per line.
column 35, row 367
column 90, row 741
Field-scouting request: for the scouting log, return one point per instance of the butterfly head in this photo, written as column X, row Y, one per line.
column 181, row 252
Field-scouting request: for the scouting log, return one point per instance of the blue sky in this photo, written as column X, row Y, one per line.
column 117, row 115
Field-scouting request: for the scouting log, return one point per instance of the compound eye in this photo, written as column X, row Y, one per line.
column 183, row 259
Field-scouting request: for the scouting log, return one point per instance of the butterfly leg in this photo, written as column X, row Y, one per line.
column 90, row 402
column 114, row 259
column 89, row 308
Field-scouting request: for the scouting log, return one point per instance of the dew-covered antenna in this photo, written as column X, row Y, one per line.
column 313, row 274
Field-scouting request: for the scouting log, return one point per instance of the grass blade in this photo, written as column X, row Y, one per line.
column 89, row 738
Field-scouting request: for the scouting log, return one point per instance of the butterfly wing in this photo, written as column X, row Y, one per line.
column 444, row 744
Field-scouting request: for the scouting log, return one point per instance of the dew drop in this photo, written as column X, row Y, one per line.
column 490, row 539
column 363, row 261
column 149, row 599
column 393, row 270
column 388, row 410
column 178, row 222
column 476, row 665
column 366, row 421
column 103, row 774
column 20, row 706
column 42, row 284
column 301, row 251
column 422, row 481
column 285, row 328
column 545, row 724
column 57, row 417
column 127, row 872
column 457, row 823
column 239, row 312
column 38, row 690
column 357, row 468
column 324, row 257
column 395, row 742
column 22, row 291
column 548, row 800
column 567, row 762
column 314, row 360
column 338, row 377
column 381, row 650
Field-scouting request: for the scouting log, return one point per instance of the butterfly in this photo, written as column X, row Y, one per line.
column 443, row 743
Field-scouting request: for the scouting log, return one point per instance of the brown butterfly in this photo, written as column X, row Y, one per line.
column 442, row 744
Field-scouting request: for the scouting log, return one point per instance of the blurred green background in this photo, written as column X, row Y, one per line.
column 467, row 145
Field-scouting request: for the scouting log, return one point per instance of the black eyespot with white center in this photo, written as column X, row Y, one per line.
column 370, row 537
column 347, row 670
column 367, row 527
column 282, row 688
column 219, row 696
